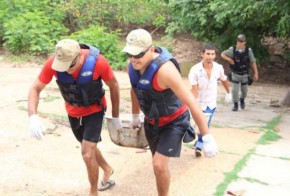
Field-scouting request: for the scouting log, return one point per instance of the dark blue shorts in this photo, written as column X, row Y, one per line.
column 87, row 127
column 167, row 140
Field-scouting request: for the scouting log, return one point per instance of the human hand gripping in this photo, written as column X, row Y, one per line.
column 136, row 122
column 116, row 123
column 209, row 146
column 36, row 128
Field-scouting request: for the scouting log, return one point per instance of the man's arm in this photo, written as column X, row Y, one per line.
column 253, row 64
column 135, row 103
column 136, row 122
column 194, row 90
column 226, row 85
column 33, row 96
column 255, row 69
column 227, row 58
column 193, row 80
column 36, row 128
column 169, row 77
column 114, row 95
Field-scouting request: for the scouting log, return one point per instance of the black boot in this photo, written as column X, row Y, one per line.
column 236, row 107
column 242, row 102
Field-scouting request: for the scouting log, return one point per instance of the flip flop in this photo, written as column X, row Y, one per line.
column 106, row 185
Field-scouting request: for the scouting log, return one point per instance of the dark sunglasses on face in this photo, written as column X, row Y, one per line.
column 138, row 56
column 74, row 62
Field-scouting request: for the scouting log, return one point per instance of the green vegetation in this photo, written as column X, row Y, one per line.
column 221, row 21
column 106, row 42
column 256, row 181
column 233, row 175
column 34, row 27
column 268, row 136
column 50, row 115
column 29, row 27
column 51, row 98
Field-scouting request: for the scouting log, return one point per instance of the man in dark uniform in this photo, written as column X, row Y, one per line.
column 241, row 59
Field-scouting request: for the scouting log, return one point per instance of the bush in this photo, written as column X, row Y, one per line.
column 221, row 21
column 108, row 43
column 31, row 32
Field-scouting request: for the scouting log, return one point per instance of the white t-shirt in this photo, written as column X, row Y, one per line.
column 207, row 87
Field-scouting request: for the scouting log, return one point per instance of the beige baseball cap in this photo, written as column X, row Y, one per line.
column 138, row 40
column 66, row 51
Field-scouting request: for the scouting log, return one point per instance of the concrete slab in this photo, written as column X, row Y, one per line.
column 267, row 171
column 54, row 165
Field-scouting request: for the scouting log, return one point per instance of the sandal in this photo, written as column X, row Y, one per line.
column 106, row 185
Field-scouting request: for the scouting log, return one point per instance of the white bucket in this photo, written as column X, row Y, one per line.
column 127, row 137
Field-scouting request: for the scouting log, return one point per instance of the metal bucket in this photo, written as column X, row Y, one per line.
column 127, row 137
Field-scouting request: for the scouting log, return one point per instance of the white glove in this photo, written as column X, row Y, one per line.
column 116, row 123
column 36, row 128
column 209, row 146
column 228, row 97
column 136, row 122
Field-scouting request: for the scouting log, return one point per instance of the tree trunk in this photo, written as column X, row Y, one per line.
column 286, row 99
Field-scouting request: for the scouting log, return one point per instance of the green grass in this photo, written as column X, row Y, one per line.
column 22, row 108
column 225, row 152
column 54, row 116
column 23, row 58
column 269, row 136
column 51, row 98
column 274, row 157
column 241, row 128
column 233, row 175
column 122, row 110
column 256, row 181
column 283, row 158
column 217, row 126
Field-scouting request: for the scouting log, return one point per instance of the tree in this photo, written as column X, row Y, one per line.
column 221, row 21
column 28, row 26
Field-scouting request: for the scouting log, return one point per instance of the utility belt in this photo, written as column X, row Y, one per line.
column 249, row 82
column 241, row 73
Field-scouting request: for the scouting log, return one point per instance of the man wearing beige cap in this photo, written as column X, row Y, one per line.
column 158, row 90
column 241, row 59
column 79, row 70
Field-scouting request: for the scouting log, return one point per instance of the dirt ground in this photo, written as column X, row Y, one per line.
column 54, row 166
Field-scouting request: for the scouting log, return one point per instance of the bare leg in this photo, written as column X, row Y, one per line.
column 89, row 157
column 162, row 174
column 108, row 170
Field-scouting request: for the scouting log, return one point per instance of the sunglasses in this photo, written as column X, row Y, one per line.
column 140, row 55
column 74, row 62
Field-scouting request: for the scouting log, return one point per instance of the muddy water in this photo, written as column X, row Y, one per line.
column 185, row 68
